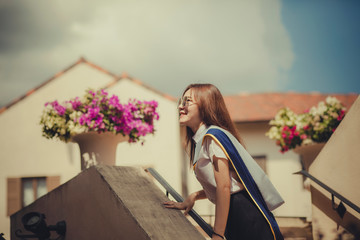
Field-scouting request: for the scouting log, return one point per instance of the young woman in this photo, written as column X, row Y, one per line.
column 231, row 179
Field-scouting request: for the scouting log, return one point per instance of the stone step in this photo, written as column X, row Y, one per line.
column 295, row 228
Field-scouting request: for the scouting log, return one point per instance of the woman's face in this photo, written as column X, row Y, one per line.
column 189, row 111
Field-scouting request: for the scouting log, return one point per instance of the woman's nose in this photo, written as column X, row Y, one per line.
column 180, row 106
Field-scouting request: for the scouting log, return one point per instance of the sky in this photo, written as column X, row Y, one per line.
column 240, row 46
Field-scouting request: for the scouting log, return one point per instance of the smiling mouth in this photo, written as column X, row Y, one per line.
column 181, row 114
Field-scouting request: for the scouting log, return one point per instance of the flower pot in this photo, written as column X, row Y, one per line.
column 308, row 153
column 98, row 148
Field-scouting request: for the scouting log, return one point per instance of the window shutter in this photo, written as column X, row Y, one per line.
column 52, row 182
column 13, row 195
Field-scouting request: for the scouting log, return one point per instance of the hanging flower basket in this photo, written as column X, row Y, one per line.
column 98, row 123
column 291, row 130
column 308, row 153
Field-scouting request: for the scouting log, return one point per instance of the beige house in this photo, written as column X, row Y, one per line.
column 32, row 165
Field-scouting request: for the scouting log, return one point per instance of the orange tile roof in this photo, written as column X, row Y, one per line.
column 263, row 106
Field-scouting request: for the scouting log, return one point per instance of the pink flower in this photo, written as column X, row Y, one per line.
column 284, row 149
column 103, row 92
column 148, row 110
column 114, row 101
column 303, row 136
column 76, row 103
column 57, row 107
column 92, row 93
column 60, row 109
column 341, row 115
column 100, row 113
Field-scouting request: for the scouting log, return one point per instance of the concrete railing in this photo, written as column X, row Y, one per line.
column 337, row 167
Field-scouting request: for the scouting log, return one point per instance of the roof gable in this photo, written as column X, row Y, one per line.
column 124, row 75
column 116, row 78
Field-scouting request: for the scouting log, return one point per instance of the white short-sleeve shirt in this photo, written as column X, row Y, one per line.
column 204, row 169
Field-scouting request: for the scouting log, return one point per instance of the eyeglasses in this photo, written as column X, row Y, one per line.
column 185, row 102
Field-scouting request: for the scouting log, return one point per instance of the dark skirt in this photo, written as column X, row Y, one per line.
column 245, row 221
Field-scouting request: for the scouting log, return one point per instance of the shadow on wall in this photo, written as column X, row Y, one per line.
column 349, row 221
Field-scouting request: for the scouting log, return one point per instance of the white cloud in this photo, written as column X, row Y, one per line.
column 237, row 45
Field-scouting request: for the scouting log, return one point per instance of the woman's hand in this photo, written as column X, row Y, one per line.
column 187, row 205
column 175, row 205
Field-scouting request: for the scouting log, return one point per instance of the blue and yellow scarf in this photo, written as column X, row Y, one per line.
column 255, row 181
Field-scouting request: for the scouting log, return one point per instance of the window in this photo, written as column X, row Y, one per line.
column 32, row 189
column 261, row 161
column 23, row 191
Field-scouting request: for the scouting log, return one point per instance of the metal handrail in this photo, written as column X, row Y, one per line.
column 205, row 226
column 330, row 190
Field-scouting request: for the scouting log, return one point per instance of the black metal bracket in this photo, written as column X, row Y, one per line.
column 19, row 234
column 340, row 209
column 2, row 236
column 35, row 223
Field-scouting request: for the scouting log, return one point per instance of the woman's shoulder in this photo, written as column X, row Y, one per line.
column 211, row 137
column 221, row 134
column 217, row 129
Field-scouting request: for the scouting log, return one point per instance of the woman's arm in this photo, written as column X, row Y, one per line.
column 222, row 204
column 189, row 202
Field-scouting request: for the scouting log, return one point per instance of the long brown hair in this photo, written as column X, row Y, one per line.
column 212, row 110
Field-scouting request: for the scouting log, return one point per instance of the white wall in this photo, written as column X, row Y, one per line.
column 162, row 150
column 24, row 152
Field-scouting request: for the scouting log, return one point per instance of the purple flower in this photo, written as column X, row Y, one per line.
column 92, row 93
column 103, row 92
column 99, row 113
column 114, row 102
column 57, row 107
column 75, row 103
